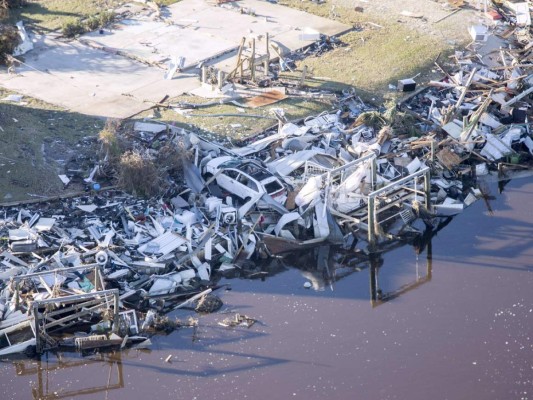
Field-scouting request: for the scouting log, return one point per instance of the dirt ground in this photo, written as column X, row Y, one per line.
column 391, row 40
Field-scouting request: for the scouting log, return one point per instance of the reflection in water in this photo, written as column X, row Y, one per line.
column 324, row 265
column 420, row 243
column 377, row 296
column 41, row 368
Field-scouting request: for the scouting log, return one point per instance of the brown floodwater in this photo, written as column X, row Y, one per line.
column 456, row 323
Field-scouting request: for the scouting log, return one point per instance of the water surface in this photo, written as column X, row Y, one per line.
column 457, row 325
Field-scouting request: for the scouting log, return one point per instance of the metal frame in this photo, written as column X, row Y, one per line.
column 372, row 209
column 97, row 298
column 18, row 279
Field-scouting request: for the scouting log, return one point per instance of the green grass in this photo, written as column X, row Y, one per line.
column 373, row 57
column 33, row 138
column 221, row 127
column 166, row 2
column 372, row 60
column 50, row 15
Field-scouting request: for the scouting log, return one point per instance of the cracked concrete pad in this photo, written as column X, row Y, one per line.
column 91, row 81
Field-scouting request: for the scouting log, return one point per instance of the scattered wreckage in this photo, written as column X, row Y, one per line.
column 99, row 270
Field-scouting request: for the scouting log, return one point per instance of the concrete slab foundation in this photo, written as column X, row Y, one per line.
column 121, row 72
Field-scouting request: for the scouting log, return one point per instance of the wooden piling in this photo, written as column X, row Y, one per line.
column 427, row 189
column 371, row 227
column 35, row 312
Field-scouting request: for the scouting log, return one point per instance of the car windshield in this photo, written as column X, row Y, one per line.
column 235, row 163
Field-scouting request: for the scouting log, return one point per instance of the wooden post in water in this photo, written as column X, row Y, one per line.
column 429, row 259
column 35, row 311
column 371, row 220
column 427, row 189
column 373, row 259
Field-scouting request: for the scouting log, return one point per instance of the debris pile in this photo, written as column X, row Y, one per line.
column 483, row 103
column 110, row 264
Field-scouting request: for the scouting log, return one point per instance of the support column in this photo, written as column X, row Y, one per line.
column 252, row 61
column 220, row 78
column 375, row 295
column 302, row 78
column 204, row 74
column 267, row 61
column 373, row 171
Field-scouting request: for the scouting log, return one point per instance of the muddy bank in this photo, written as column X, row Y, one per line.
column 463, row 333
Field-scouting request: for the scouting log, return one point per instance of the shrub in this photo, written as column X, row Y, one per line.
column 138, row 174
column 99, row 20
column 170, row 158
column 109, row 140
column 106, row 17
column 72, row 29
column 92, row 24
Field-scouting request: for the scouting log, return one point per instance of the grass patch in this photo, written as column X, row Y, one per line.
column 35, row 141
column 239, row 127
column 373, row 57
column 51, row 15
column 71, row 29
column 166, row 2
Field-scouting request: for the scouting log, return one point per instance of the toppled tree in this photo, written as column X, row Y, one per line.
column 145, row 169
column 11, row 3
column 397, row 122
column 6, row 5
column 9, row 40
column 9, row 37
column 372, row 119
column 138, row 174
